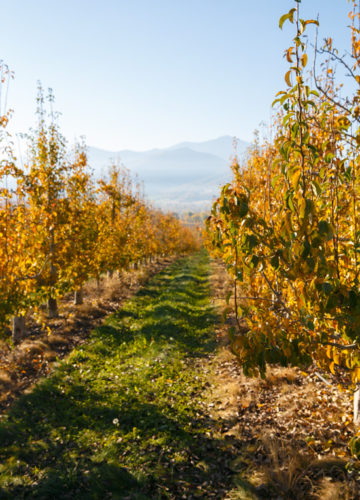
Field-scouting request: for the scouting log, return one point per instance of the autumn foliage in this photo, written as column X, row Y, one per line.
column 59, row 227
column 288, row 225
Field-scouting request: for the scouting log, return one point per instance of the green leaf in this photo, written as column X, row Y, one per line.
column 316, row 187
column 306, row 249
column 225, row 313
column 289, row 15
column 309, row 207
column 310, row 325
column 329, row 157
column 311, row 263
column 325, row 229
column 282, row 19
column 353, row 299
column 252, row 241
column 274, row 180
column 316, row 242
column 355, row 446
column 240, row 276
column 243, row 207
column 295, row 129
column 290, row 203
column 255, row 260
column 275, row 262
column 232, row 333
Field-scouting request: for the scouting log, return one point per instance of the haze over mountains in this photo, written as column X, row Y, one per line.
column 186, row 176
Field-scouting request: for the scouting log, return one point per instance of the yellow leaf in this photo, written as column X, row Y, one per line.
column 287, row 78
column 304, row 59
column 295, row 178
column 337, row 358
column 328, row 351
column 288, row 54
column 356, row 374
column 302, row 208
column 311, row 21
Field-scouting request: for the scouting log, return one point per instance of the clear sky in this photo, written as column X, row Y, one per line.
column 139, row 74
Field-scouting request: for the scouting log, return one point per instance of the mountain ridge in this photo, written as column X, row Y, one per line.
column 190, row 172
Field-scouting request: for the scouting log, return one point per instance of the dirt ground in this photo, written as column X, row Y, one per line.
column 294, row 427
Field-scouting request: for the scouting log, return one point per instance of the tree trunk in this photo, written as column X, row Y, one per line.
column 110, row 274
column 136, row 266
column 51, row 303
column 52, row 308
column 78, row 297
column 356, row 405
column 18, row 328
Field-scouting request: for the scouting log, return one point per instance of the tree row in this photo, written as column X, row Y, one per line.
column 59, row 227
column 288, row 225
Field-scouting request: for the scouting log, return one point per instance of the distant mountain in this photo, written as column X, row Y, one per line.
column 186, row 176
column 223, row 147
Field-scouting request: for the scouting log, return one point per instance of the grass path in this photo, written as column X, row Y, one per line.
column 123, row 417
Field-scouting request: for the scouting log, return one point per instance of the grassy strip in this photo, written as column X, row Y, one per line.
column 122, row 417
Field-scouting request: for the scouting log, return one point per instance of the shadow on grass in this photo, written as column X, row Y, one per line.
column 132, row 430
column 173, row 307
column 179, row 462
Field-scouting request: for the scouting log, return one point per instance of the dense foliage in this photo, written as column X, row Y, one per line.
column 59, row 227
column 288, row 225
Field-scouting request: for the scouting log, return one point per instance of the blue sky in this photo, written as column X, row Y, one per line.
column 138, row 74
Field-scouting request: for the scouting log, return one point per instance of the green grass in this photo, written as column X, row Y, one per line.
column 123, row 417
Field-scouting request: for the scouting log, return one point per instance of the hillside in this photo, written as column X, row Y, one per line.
column 185, row 176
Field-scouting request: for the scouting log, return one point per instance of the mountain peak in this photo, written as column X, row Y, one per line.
column 185, row 176
column 223, row 146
